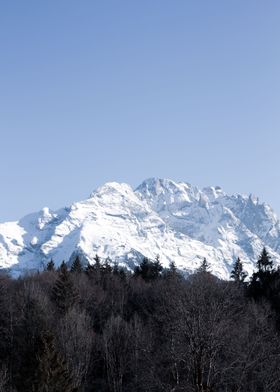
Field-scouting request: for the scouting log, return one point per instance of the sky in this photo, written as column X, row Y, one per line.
column 97, row 91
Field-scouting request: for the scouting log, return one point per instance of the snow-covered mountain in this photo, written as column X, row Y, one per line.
column 176, row 221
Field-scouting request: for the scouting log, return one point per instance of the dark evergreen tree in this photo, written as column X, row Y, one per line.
column 97, row 264
column 26, row 345
column 204, row 267
column 94, row 271
column 107, row 268
column 89, row 269
column 52, row 374
column 172, row 267
column 115, row 269
column 64, row 293
column 265, row 264
column 120, row 273
column 149, row 270
column 77, row 266
column 237, row 274
column 104, row 276
column 62, row 267
column 172, row 273
column 50, row 266
column 123, row 274
column 157, row 267
column 143, row 269
column 5, row 341
column 264, row 281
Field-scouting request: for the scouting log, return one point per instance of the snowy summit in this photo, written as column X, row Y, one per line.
column 176, row 221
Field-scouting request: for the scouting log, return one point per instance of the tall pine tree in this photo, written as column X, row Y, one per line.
column 64, row 293
column 50, row 266
column 52, row 374
column 263, row 281
column 77, row 266
column 149, row 270
column 26, row 345
column 5, row 341
column 237, row 274
column 204, row 267
column 264, row 262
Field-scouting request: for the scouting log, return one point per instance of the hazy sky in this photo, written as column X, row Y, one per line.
column 95, row 91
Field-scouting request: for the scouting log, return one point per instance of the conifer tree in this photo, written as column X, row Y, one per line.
column 119, row 272
column 50, row 266
column 97, row 264
column 122, row 274
column 77, row 266
column 64, row 293
column 62, row 267
column 27, row 338
column 115, row 269
column 264, row 281
column 157, row 265
column 107, row 266
column 148, row 269
column 94, row 271
column 264, row 262
column 4, row 324
column 237, row 274
column 89, row 269
column 172, row 267
column 52, row 374
column 204, row 267
column 142, row 269
column 172, row 272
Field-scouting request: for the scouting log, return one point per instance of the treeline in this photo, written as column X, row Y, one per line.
column 100, row 328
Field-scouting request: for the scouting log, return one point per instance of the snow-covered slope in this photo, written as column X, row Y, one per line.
column 176, row 221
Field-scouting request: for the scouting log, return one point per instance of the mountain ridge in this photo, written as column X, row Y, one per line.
column 175, row 220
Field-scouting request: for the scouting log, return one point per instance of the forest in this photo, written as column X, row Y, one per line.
column 98, row 327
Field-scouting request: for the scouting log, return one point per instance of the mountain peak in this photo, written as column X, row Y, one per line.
column 112, row 187
column 176, row 220
column 213, row 192
column 155, row 185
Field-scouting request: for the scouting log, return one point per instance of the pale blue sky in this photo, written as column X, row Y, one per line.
column 94, row 91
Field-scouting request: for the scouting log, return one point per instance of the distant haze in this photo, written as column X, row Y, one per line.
column 98, row 91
